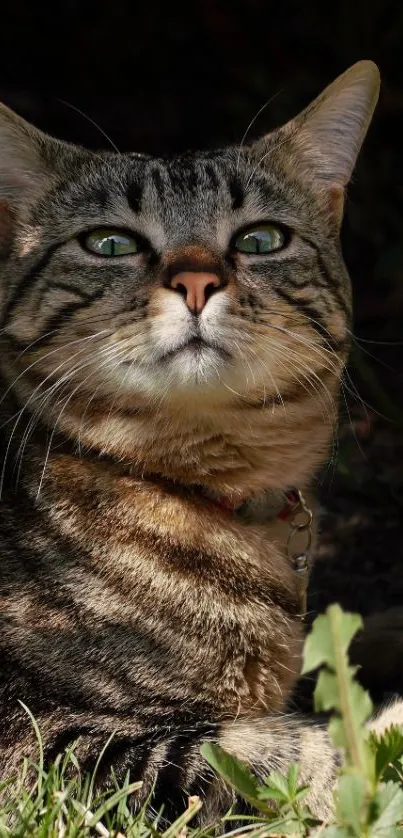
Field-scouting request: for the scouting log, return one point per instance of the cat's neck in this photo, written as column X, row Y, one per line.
column 234, row 454
column 234, row 450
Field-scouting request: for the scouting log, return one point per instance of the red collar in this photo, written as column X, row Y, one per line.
column 292, row 503
column 291, row 498
column 288, row 503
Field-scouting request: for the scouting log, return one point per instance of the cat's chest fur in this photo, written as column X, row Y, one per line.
column 169, row 589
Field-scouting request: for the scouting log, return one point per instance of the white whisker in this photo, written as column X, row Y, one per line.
column 50, row 391
column 252, row 122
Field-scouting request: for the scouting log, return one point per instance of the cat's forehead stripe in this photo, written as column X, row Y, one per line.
column 134, row 195
column 157, row 179
column 182, row 175
column 212, row 176
column 188, row 174
column 237, row 193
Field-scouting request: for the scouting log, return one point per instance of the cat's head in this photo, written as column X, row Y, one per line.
column 206, row 279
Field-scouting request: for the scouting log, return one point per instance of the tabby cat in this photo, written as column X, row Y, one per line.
column 173, row 336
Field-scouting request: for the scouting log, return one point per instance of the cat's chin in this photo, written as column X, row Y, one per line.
column 194, row 367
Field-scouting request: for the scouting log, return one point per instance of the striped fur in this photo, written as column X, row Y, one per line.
column 131, row 602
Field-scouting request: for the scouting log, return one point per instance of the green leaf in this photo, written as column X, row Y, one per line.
column 389, row 806
column 353, row 703
column 292, row 779
column 178, row 827
column 393, row 771
column 283, row 788
column 328, row 694
column 350, row 801
column 336, row 689
column 388, row 749
column 275, row 787
column 320, row 644
column 301, row 793
column 232, row 770
column 90, row 793
column 39, row 741
column 288, row 827
column 111, row 802
column 278, row 827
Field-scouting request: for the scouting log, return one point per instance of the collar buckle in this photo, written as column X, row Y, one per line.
column 300, row 525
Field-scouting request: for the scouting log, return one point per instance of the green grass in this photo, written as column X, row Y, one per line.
column 62, row 803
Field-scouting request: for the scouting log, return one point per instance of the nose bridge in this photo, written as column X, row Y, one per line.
column 195, row 258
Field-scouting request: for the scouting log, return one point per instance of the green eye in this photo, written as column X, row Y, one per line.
column 262, row 239
column 111, row 243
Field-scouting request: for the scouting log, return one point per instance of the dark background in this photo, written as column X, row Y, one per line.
column 162, row 79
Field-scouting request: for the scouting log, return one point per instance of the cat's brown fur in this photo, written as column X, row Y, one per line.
column 132, row 601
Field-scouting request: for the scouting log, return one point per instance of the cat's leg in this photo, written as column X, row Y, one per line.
column 274, row 745
column 166, row 756
column 164, row 752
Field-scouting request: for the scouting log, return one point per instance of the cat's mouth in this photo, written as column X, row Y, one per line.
column 179, row 364
column 198, row 346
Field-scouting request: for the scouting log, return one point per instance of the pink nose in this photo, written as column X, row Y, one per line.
column 195, row 287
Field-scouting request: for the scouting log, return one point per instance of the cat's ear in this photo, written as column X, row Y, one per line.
column 326, row 137
column 25, row 158
column 332, row 128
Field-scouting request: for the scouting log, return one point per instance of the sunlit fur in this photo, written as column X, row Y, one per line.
column 132, row 601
